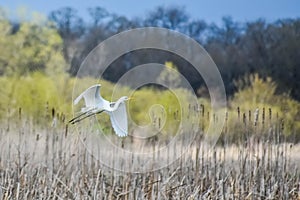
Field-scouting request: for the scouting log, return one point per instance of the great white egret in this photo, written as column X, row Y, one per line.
column 95, row 104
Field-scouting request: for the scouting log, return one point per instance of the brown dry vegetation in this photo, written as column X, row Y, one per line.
column 51, row 162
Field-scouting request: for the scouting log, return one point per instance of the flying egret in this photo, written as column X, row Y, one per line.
column 95, row 104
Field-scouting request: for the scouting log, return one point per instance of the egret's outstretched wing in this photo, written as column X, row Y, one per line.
column 91, row 96
column 118, row 120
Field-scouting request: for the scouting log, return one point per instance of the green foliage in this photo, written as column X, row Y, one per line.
column 255, row 91
column 5, row 29
column 274, row 110
column 159, row 108
column 169, row 76
column 163, row 109
column 33, row 93
column 33, row 47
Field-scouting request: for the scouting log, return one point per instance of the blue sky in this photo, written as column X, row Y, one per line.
column 208, row 10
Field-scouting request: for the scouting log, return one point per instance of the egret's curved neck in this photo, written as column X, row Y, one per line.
column 117, row 104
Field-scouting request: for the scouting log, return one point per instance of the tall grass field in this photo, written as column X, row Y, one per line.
column 50, row 161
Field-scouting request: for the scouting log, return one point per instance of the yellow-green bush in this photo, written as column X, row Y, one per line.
column 37, row 91
column 259, row 94
column 33, row 93
column 154, row 106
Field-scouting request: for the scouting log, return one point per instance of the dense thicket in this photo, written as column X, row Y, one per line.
column 270, row 49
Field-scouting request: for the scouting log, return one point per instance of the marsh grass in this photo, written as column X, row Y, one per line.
column 51, row 162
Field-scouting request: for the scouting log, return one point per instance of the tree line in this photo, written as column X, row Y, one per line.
column 270, row 49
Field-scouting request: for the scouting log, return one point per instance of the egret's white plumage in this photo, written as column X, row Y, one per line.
column 95, row 104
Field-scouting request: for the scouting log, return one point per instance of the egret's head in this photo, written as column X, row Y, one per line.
column 125, row 98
